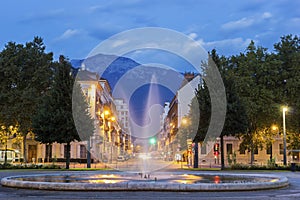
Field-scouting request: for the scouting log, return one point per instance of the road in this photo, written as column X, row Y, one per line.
column 291, row 192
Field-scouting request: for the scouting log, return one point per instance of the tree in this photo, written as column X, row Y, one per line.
column 288, row 85
column 25, row 74
column 236, row 121
column 82, row 118
column 255, row 87
column 54, row 121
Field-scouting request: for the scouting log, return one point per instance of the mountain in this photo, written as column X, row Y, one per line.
column 109, row 67
column 131, row 81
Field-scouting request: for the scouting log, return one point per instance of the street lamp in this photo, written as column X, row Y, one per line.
column 275, row 130
column 284, row 109
column 184, row 121
column 111, row 120
column 104, row 117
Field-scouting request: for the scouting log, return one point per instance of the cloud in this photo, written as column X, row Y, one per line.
column 246, row 21
column 118, row 43
column 68, row 34
column 228, row 46
column 242, row 23
column 234, row 41
column 193, row 35
column 115, row 6
column 266, row 15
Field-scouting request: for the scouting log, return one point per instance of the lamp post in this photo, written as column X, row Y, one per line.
column 104, row 116
column 284, row 135
column 112, row 119
column 275, row 129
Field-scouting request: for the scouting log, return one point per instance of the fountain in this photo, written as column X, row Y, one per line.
column 159, row 181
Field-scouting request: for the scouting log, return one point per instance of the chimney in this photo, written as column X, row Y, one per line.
column 189, row 76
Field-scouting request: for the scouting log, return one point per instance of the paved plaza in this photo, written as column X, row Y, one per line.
column 291, row 192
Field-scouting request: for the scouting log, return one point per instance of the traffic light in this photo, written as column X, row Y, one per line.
column 216, row 149
column 152, row 140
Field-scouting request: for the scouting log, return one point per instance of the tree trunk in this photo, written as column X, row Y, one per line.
column 252, row 153
column 196, row 155
column 222, row 152
column 271, row 153
column 24, row 149
column 68, row 155
column 5, row 156
column 48, row 147
column 88, row 156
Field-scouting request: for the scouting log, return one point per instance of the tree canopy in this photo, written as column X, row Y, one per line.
column 54, row 120
column 258, row 83
column 25, row 74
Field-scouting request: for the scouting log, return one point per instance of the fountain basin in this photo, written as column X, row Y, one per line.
column 193, row 181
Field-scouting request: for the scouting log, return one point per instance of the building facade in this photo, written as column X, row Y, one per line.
column 105, row 142
column 126, row 144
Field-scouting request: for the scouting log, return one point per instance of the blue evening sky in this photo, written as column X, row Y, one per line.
column 73, row 28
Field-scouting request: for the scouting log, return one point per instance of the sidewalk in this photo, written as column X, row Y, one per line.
column 184, row 165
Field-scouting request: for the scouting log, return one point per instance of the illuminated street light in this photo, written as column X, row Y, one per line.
column 284, row 110
column 106, row 112
column 112, row 119
column 184, row 121
column 274, row 127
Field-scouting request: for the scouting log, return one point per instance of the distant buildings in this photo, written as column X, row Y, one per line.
column 173, row 115
column 123, row 117
column 172, row 118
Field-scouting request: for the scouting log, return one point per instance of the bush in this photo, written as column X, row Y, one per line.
column 272, row 163
column 239, row 166
column 29, row 166
column 51, row 166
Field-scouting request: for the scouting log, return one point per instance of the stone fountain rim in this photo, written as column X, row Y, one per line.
column 148, row 185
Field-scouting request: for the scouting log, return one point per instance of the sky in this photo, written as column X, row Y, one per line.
column 73, row 28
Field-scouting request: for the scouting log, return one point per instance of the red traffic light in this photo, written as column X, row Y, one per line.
column 216, row 147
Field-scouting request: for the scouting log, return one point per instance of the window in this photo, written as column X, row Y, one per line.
column 269, row 149
column 256, row 150
column 48, row 152
column 203, row 149
column 281, row 149
column 82, row 151
column 229, row 148
column 242, row 151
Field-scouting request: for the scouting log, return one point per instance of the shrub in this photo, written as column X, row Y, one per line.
column 239, row 166
column 29, row 166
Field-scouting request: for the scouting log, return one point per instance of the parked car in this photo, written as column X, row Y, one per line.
column 121, row 158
